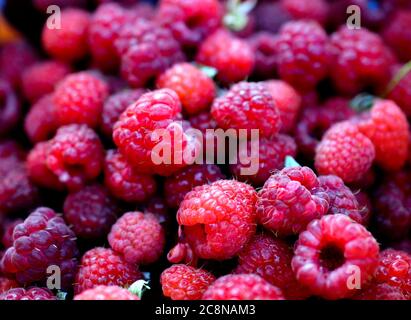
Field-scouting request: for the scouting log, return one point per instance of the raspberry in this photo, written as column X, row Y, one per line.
column 404, row 245
column 41, row 78
column 218, row 218
column 364, row 206
column 149, row 125
column 270, row 155
column 264, row 45
column 288, row 102
column 138, row 237
column 270, row 16
column 101, row 266
column 401, row 94
column 115, row 105
column 7, row 284
column 387, row 127
column 146, row 51
column 243, row 107
column 106, row 293
column 242, row 287
column 79, row 98
column 76, row 155
column 182, row 182
column 232, row 57
column 392, row 279
column 270, row 258
column 42, row 5
column 10, row 109
column 303, row 54
column 327, row 253
column 7, row 239
column 345, row 152
column 316, row 10
column 181, row 282
column 158, row 207
column 359, row 59
column 290, row 199
column 42, row 240
column 69, row 42
column 194, row 88
column 203, row 121
column 395, row 34
column 32, row 293
column 10, row 149
column 91, row 212
column 40, row 123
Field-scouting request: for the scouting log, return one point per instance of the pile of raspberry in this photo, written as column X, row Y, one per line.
column 109, row 178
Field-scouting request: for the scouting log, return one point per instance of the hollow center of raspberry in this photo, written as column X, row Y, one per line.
column 331, row 257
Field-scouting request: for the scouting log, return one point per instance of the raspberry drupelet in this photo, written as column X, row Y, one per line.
column 290, row 199
column 10, row 108
column 102, row 266
column 242, row 287
column 42, row 240
column 106, row 293
column 7, row 284
column 330, row 251
column 75, row 156
column 182, row 282
column 32, row 293
column 219, row 218
column 8, row 229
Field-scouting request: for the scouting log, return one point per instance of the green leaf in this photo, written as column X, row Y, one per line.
column 290, row 162
column 237, row 13
column 138, row 287
column 362, row 102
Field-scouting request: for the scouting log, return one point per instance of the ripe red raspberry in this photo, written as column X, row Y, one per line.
column 218, row 218
column 8, row 229
column 40, row 123
column 392, row 279
column 264, row 156
column 106, row 293
column 396, row 36
column 42, row 240
column 288, row 102
column 79, row 98
column 243, row 107
column 182, row 282
column 69, row 42
column 10, row 149
column 232, row 57
column 290, row 199
column 359, row 59
column 242, row 287
column 124, row 181
column 76, row 155
column 270, row 258
column 146, row 51
column 32, row 293
column 316, row 10
column 149, row 136
column 115, row 105
column 194, row 88
column 303, row 54
column 330, row 251
column 7, row 284
column 41, row 78
column 91, row 212
column 264, row 45
column 101, row 266
column 345, row 152
column 138, row 237
column 401, row 94
column 10, row 109
column 387, row 127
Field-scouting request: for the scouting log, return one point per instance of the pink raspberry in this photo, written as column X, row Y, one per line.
column 396, row 36
column 316, row 10
column 106, row 293
column 32, row 293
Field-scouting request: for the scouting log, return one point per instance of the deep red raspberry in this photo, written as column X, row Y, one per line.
column 401, row 94
column 203, row 121
column 42, row 240
column 106, row 293
column 32, row 293
column 365, row 206
column 76, row 155
column 7, row 284
column 69, row 42
column 360, row 59
column 91, row 212
column 345, row 152
column 10, row 109
column 288, row 102
column 270, row 258
column 396, row 36
column 290, row 199
column 11, row 149
column 41, row 78
column 182, row 282
column 182, row 182
column 41, row 123
column 316, row 10
column 264, row 45
column 138, row 237
column 404, row 245
column 232, row 57
column 387, row 127
column 270, row 16
column 303, row 54
column 218, row 218
column 42, row 5
column 194, row 88
column 242, row 287
column 101, row 266
column 330, row 251
column 7, row 239
column 115, row 105
column 79, row 98
column 158, row 207
column 243, row 107
column 257, row 159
